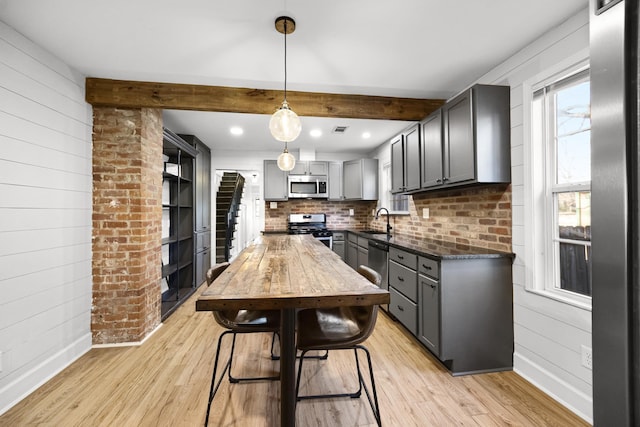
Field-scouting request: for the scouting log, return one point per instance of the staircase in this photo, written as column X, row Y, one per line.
column 227, row 206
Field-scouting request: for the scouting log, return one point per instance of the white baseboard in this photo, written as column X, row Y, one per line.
column 128, row 344
column 30, row 381
column 567, row 395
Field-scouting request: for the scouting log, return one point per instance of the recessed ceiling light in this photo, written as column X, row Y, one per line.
column 366, row 135
column 315, row 133
column 236, row 130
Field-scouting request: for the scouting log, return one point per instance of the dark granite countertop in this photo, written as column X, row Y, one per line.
column 433, row 248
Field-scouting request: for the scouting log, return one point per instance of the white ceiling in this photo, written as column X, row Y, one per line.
column 400, row 48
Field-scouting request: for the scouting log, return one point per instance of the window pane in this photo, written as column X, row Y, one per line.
column 573, row 109
column 573, row 133
column 575, row 268
column 574, row 158
column 574, row 215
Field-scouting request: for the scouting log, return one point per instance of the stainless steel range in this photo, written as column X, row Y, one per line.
column 315, row 224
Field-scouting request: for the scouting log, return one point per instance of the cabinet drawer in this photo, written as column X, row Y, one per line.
column 404, row 310
column 203, row 241
column 352, row 237
column 338, row 235
column 363, row 241
column 428, row 267
column 404, row 280
column 404, row 258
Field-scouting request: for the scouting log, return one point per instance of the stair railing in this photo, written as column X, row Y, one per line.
column 232, row 214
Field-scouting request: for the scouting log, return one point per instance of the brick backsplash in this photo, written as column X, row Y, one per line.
column 479, row 216
column 338, row 217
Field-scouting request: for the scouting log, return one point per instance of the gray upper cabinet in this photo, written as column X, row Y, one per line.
column 397, row 166
column 360, row 179
column 467, row 141
column 459, row 160
column 310, row 168
column 432, row 150
column 405, row 161
column 275, row 182
column 335, row 181
column 476, row 137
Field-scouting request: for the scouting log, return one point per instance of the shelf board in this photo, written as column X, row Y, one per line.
column 170, row 239
column 169, row 269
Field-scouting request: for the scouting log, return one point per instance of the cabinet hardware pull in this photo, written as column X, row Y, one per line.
column 426, row 267
column 400, row 308
column 438, row 181
column 400, row 279
column 400, row 257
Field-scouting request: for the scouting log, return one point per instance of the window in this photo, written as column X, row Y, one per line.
column 561, row 144
column 396, row 203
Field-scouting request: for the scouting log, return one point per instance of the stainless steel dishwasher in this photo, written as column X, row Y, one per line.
column 378, row 254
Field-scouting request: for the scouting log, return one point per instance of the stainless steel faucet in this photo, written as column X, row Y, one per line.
column 388, row 215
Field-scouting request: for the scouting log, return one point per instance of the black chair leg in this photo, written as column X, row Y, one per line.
column 373, row 400
column 236, row 380
column 215, row 385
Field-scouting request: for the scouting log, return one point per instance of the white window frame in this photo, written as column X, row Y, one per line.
column 540, row 256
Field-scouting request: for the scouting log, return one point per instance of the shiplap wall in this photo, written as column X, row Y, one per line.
column 548, row 333
column 45, row 216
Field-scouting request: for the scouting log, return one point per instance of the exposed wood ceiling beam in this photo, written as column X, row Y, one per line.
column 133, row 94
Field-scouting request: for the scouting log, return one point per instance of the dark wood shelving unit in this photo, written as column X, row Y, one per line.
column 177, row 222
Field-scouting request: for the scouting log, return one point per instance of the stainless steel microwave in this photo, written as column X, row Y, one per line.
column 307, row 186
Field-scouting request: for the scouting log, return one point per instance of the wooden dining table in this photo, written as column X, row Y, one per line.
column 288, row 272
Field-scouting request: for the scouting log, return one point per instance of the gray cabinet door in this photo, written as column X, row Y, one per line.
column 275, row 182
column 338, row 248
column 352, row 255
column 397, row 165
column 335, row 181
column 352, row 179
column 432, row 150
column 412, row 159
column 459, row 140
column 317, row 168
column 300, row 168
column 429, row 313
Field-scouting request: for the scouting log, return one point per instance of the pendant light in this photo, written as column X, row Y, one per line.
column 286, row 160
column 285, row 124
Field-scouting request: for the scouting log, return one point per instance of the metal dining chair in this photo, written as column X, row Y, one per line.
column 340, row 328
column 239, row 322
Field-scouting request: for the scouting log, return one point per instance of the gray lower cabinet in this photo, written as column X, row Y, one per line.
column 465, row 312
column 363, row 251
column 403, row 287
column 339, row 243
column 275, row 182
column 352, row 250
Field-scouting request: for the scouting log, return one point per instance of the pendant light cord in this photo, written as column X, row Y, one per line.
column 285, row 59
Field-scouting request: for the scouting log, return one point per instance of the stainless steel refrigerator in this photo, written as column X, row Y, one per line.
column 615, row 222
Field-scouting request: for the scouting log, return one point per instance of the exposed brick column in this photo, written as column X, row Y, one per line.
column 127, row 223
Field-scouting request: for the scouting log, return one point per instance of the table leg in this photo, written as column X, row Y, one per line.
column 288, row 367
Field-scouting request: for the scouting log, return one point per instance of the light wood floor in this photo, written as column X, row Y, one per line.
column 165, row 382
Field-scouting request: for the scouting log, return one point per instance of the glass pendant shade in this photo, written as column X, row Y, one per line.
column 286, row 161
column 285, row 124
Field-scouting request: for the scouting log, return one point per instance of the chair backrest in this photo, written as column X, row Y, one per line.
column 215, row 271
column 370, row 274
column 366, row 316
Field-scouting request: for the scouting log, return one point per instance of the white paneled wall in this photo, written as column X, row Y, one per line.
column 548, row 333
column 45, row 217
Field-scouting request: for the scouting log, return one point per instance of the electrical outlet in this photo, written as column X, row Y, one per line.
column 351, row 212
column 587, row 357
column 273, row 205
column 425, row 213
